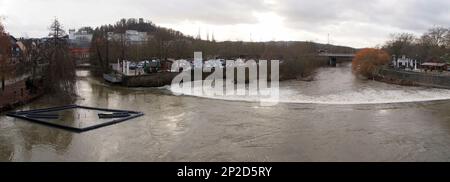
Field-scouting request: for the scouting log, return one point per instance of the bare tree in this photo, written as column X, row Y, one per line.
column 60, row 75
column 447, row 39
column 5, row 52
column 436, row 36
column 434, row 44
column 401, row 44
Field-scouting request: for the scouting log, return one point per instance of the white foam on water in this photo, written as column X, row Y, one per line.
column 367, row 95
column 370, row 96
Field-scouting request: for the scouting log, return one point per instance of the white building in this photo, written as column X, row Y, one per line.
column 81, row 36
column 130, row 36
column 405, row 63
column 135, row 36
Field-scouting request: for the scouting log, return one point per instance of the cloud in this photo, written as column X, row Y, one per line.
column 415, row 15
column 361, row 21
column 215, row 12
column 350, row 22
column 87, row 12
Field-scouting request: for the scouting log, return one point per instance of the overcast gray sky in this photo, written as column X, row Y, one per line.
column 355, row 23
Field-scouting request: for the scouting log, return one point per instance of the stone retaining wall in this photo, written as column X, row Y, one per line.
column 165, row 78
column 16, row 94
column 437, row 80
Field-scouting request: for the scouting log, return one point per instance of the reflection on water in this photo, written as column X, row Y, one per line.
column 178, row 128
column 77, row 118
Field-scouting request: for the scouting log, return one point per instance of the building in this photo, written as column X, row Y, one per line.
column 16, row 50
column 130, row 36
column 80, row 53
column 16, row 87
column 405, row 63
column 429, row 66
column 435, row 64
column 80, row 43
column 135, row 36
column 82, row 36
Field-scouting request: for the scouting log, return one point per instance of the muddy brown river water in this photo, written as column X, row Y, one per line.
column 334, row 118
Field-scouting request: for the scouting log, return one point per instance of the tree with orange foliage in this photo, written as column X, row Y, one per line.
column 368, row 61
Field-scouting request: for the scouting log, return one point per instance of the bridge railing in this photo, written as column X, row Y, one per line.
column 337, row 55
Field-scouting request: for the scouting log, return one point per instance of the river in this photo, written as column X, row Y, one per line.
column 337, row 117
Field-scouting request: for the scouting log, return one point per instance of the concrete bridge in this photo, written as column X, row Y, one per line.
column 334, row 57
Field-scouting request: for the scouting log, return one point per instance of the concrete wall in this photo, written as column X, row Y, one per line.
column 165, row 78
column 151, row 80
column 416, row 78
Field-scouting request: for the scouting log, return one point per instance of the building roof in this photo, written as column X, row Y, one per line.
column 21, row 45
column 13, row 39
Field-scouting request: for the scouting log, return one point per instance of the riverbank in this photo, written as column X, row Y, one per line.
column 165, row 78
column 409, row 78
column 18, row 94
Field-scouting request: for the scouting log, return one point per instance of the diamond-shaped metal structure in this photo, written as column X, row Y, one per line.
column 76, row 118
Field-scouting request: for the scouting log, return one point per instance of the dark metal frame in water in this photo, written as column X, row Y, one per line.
column 23, row 115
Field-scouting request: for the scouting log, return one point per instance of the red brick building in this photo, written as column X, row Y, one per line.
column 14, row 89
column 80, row 42
column 79, row 53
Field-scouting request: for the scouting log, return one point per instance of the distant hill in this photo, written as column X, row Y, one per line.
column 169, row 43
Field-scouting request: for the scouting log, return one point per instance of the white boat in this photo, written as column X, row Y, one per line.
column 113, row 78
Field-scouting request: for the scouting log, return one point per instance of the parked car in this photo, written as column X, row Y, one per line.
column 140, row 65
column 133, row 66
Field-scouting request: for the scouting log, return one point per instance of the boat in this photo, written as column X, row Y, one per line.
column 114, row 115
column 113, row 78
column 42, row 116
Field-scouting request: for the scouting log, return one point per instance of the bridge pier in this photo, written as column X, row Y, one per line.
column 332, row 62
column 333, row 58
